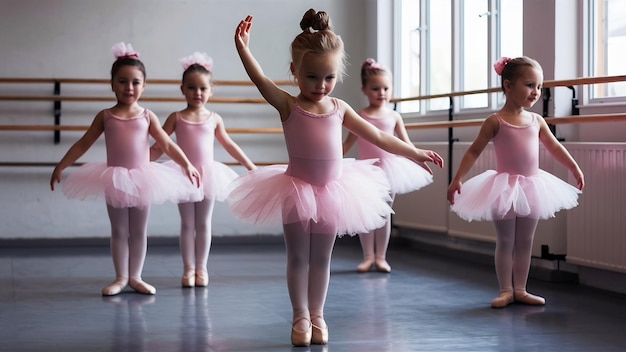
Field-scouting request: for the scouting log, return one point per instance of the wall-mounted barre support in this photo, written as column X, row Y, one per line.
column 57, row 112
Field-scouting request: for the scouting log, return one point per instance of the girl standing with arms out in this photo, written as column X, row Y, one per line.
column 128, row 180
column 517, row 194
column 318, row 195
column 404, row 175
column 195, row 128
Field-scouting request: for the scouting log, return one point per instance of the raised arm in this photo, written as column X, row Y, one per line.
column 230, row 146
column 172, row 150
column 79, row 148
column 169, row 126
column 487, row 131
column 560, row 154
column 277, row 97
column 363, row 129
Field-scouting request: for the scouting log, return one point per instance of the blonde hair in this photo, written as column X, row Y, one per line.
column 513, row 67
column 372, row 68
column 317, row 38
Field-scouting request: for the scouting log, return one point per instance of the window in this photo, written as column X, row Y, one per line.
column 432, row 59
column 607, row 21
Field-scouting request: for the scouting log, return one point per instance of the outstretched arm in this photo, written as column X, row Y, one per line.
column 558, row 151
column 277, row 97
column 169, row 126
column 357, row 125
column 79, row 148
column 230, row 146
column 172, row 149
column 487, row 131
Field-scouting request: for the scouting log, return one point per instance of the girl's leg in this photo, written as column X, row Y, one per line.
column 322, row 243
column 382, row 236
column 505, row 241
column 204, row 214
column 138, row 245
column 186, row 242
column 367, row 245
column 524, row 234
column 298, row 246
column 119, row 249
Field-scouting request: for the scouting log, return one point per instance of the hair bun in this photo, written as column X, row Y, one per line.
column 315, row 21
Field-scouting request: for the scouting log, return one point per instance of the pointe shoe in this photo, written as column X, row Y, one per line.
column 202, row 278
column 527, row 298
column 189, row 278
column 382, row 266
column 115, row 287
column 504, row 299
column 365, row 265
column 141, row 286
column 319, row 335
column 301, row 338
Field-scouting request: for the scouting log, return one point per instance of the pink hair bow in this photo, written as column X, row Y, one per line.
column 199, row 58
column 372, row 64
column 499, row 65
column 122, row 50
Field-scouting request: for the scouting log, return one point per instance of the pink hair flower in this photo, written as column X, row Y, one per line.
column 499, row 65
column 372, row 64
column 122, row 50
column 198, row 58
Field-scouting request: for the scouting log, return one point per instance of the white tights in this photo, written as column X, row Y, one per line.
column 309, row 248
column 514, row 242
column 195, row 233
column 375, row 243
column 129, row 227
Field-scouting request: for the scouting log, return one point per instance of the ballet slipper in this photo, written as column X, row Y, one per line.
column 189, row 278
column 301, row 338
column 319, row 335
column 202, row 278
column 365, row 265
column 115, row 287
column 382, row 266
column 504, row 299
column 141, row 286
column 524, row 297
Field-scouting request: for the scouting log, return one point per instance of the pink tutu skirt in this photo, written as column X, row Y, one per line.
column 492, row 196
column 216, row 178
column 356, row 202
column 152, row 183
column 404, row 175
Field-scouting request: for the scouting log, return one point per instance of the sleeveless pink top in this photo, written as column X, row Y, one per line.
column 517, row 148
column 196, row 139
column 314, row 145
column 127, row 140
column 368, row 150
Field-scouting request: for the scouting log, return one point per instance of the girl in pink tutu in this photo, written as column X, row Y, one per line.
column 517, row 194
column 196, row 128
column 318, row 195
column 404, row 175
column 128, row 181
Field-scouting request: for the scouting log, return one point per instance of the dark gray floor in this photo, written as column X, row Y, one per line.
column 50, row 301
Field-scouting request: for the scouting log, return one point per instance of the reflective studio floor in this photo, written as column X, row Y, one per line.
column 50, row 301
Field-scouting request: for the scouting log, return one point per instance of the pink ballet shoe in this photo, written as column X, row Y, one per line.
column 319, row 335
column 382, row 266
column 301, row 338
column 142, row 287
column 202, row 278
column 365, row 265
column 115, row 287
column 527, row 298
column 504, row 299
column 189, row 278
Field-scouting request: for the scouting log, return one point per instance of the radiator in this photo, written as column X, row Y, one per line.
column 596, row 228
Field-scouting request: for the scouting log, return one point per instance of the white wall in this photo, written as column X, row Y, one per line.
column 72, row 38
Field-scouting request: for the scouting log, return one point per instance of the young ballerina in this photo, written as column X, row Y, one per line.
column 404, row 175
column 195, row 128
column 128, row 180
column 317, row 196
column 517, row 194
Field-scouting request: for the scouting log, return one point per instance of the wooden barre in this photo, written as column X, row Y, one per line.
column 551, row 120
column 84, row 127
column 112, row 99
column 546, row 84
column 108, row 81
